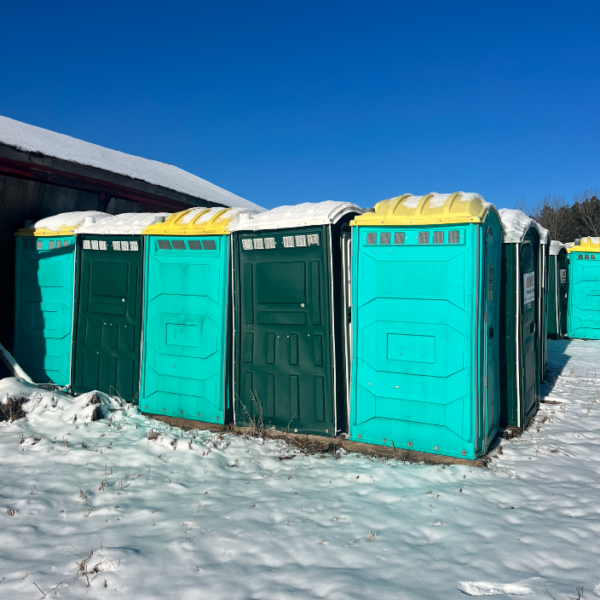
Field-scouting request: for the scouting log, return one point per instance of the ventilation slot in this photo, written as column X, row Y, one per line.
column 51, row 246
column 178, row 245
column 453, row 237
column 384, row 238
column 288, row 241
column 86, row 245
column 124, row 246
column 371, row 238
column 247, row 244
column 195, row 245
column 133, row 246
column 301, row 241
column 59, row 244
column 423, row 237
column 102, row 245
column 592, row 257
column 116, row 245
column 579, row 256
column 587, row 256
column 258, row 244
column 163, row 244
column 269, row 243
column 313, row 239
column 399, row 237
column 95, row 244
column 438, row 237
column 210, row 244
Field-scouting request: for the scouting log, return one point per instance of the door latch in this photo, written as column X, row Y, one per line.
column 349, row 314
column 491, row 332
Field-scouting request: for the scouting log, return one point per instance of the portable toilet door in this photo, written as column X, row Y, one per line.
column 186, row 355
column 542, row 287
column 425, row 315
column 44, row 273
column 558, row 290
column 108, row 305
column 290, row 321
column 583, row 316
column 520, row 343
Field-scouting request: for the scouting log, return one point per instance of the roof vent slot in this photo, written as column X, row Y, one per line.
column 399, row 237
column 385, row 238
column 453, row 237
column 371, row 238
column 438, row 237
column 178, row 245
column 423, row 237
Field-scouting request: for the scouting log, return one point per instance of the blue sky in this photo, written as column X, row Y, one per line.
column 287, row 102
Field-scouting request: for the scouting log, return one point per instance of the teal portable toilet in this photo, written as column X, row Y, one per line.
column 558, row 290
column 583, row 315
column 291, row 329
column 44, row 274
column 108, row 304
column 425, row 322
column 520, row 346
column 187, row 339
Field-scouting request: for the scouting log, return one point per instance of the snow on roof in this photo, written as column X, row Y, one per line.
column 516, row 224
column 68, row 220
column 29, row 138
column 125, row 224
column 556, row 247
column 301, row 215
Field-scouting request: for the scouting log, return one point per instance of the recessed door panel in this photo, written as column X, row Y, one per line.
column 529, row 299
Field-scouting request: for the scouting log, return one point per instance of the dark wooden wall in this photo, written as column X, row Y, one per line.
column 23, row 199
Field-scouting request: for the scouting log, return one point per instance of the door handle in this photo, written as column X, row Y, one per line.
column 532, row 328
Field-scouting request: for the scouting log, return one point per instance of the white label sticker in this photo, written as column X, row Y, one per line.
column 528, row 287
column 563, row 276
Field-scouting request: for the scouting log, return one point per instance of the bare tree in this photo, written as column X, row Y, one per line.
column 552, row 212
column 521, row 204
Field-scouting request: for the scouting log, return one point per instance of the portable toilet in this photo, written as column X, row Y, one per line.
column 291, row 342
column 558, row 290
column 425, row 318
column 543, row 272
column 186, row 355
column 583, row 315
column 108, row 304
column 44, row 274
column 520, row 342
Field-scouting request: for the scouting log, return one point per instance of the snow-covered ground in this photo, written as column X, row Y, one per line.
column 203, row 515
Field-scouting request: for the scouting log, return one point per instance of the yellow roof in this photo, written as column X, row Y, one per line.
column 586, row 244
column 197, row 221
column 430, row 209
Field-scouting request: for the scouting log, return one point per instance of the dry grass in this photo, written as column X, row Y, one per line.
column 12, row 409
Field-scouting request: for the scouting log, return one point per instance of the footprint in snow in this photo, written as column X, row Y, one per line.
column 484, row 588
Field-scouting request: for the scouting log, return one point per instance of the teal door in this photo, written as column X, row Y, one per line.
column 184, row 370
column 563, row 290
column 414, row 307
column 44, row 307
column 284, row 362
column 108, row 315
column 584, row 295
column 529, row 345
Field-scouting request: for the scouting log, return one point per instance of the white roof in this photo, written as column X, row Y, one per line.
column 516, row 224
column 569, row 244
column 301, row 215
column 29, row 138
column 125, row 224
column 68, row 220
column 555, row 247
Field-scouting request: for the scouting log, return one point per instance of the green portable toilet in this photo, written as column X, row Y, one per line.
column 44, row 274
column 558, row 290
column 543, row 272
column 187, row 342
column 583, row 315
column 425, row 320
column 108, row 304
column 519, row 339
column 291, row 343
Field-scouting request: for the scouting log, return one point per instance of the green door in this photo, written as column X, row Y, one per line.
column 562, row 272
column 284, row 365
column 108, row 315
column 491, row 315
column 528, row 333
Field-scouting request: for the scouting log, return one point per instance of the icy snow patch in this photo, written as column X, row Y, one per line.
column 483, row 588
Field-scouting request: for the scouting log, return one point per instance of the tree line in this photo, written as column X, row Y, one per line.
column 567, row 221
